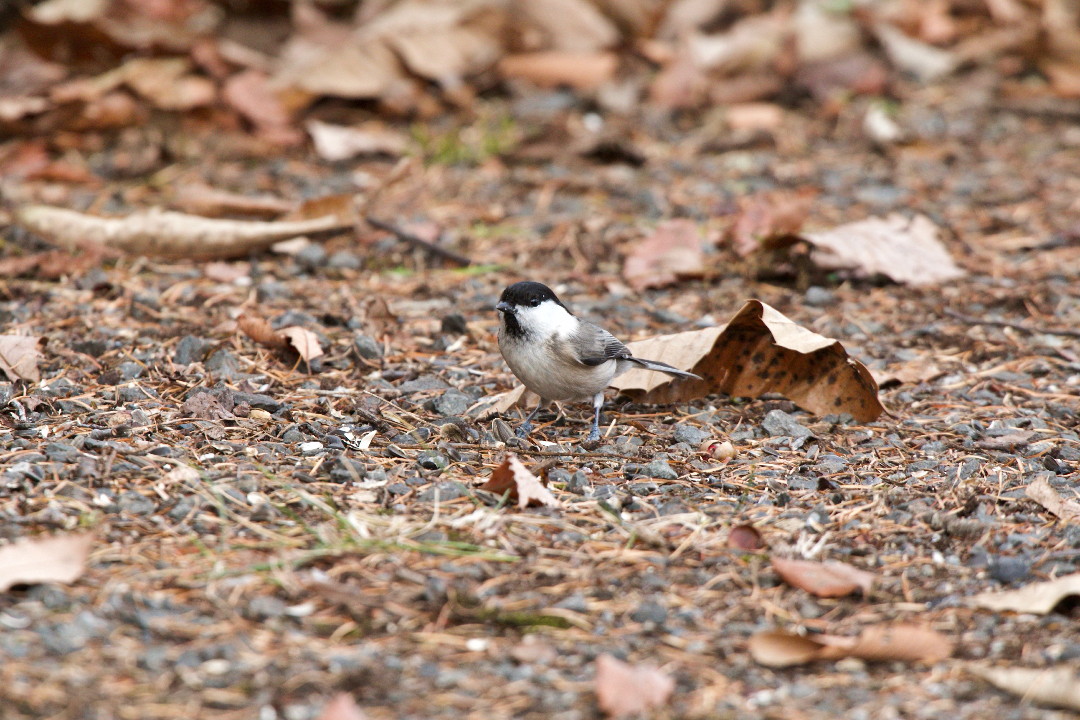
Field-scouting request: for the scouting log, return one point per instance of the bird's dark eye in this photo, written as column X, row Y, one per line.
column 535, row 302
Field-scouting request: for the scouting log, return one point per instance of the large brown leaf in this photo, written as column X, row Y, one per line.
column 759, row 351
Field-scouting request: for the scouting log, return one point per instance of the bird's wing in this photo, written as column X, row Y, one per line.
column 596, row 346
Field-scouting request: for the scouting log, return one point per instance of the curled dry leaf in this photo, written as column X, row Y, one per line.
column 209, row 201
column 905, row 251
column 19, row 357
column 746, row 537
column 1041, row 492
column 758, row 351
column 1039, row 598
column 301, row 340
column 60, row 558
column 672, row 251
column 1054, row 687
column 166, row 234
column 342, row 707
column 905, row 643
column 823, row 579
column 512, row 476
column 623, row 690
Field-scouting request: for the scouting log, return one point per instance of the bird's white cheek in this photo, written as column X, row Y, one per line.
column 546, row 319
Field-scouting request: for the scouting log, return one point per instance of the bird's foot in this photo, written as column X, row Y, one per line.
column 594, row 435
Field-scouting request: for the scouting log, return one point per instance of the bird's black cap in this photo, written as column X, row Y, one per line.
column 527, row 294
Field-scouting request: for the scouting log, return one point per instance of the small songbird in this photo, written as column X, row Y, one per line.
column 560, row 357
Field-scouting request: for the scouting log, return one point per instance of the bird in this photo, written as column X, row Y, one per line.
column 560, row 357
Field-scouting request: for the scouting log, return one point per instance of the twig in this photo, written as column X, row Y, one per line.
column 418, row 241
column 1004, row 324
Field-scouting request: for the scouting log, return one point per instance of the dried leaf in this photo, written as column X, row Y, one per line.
column 746, row 537
column 1039, row 598
column 1054, row 687
column 59, row 558
column 673, row 250
column 571, row 25
column 340, row 142
column 305, row 342
column 342, row 707
column 166, row 234
column 522, row 485
column 823, row 579
column 925, row 62
column 758, row 351
column 208, row 201
column 623, row 689
column 19, row 357
column 553, row 68
column 906, row 251
column 260, row 330
column 766, row 216
column 1041, row 492
column 206, row 407
column 251, row 94
column 905, row 643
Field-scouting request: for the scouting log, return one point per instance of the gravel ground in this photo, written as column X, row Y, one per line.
column 294, row 564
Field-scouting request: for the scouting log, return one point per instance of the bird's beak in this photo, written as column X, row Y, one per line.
column 505, row 307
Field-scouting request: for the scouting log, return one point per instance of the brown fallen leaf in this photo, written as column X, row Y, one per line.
column 19, row 356
column 904, row 250
column 59, row 558
column 672, row 251
column 765, row 216
column 1041, row 492
column 305, row 342
column 295, row 338
column 1038, row 598
column 555, row 68
column 341, row 142
column 166, row 234
column 512, row 476
column 746, row 537
column 342, row 707
column 208, row 201
column 905, row 643
column 823, row 579
column 758, row 351
column 1053, row 687
column 206, row 407
column 623, row 689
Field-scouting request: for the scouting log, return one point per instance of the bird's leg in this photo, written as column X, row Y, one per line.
column 598, row 402
column 526, row 427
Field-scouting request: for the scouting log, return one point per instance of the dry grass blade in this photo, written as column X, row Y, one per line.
column 60, row 558
column 166, row 234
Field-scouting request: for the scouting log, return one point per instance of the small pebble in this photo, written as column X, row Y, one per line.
column 659, row 469
column 780, row 424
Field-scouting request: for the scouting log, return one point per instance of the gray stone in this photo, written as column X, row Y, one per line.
column 136, row 504
column 129, row 371
column 367, row 347
column 223, row 364
column 266, row 607
column 649, row 611
column 344, row 260
column 690, row 434
column 575, row 603
column 424, row 383
column 452, row 402
column 819, row 296
column 311, row 256
column 62, row 452
column 780, row 424
column 258, row 400
column 659, row 469
column 191, row 349
column 447, row 490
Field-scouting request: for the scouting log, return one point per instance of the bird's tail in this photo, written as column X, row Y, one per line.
column 663, row 367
